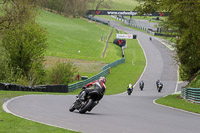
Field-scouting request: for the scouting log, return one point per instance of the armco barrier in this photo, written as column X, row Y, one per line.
column 191, row 94
column 105, row 71
column 113, row 64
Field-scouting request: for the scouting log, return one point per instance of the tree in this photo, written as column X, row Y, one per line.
column 24, row 48
column 74, row 8
column 14, row 12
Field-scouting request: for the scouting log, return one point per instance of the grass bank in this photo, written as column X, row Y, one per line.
column 128, row 72
column 124, row 5
column 73, row 38
column 177, row 102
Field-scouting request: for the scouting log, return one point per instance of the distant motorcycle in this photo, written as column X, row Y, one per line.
column 141, row 85
column 86, row 104
column 129, row 90
column 159, row 87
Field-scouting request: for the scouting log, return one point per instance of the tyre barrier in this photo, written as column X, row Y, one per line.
column 42, row 88
column 191, row 94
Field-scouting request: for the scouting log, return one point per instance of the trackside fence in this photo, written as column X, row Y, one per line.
column 191, row 94
column 105, row 71
column 113, row 64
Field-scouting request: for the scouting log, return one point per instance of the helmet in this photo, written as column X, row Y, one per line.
column 130, row 85
column 103, row 79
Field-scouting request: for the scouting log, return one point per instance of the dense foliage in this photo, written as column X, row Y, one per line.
column 74, row 8
column 62, row 73
column 24, row 49
column 184, row 19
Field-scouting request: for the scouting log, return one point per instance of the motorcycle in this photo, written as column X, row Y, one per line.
column 83, row 104
column 141, row 88
column 159, row 87
column 129, row 90
column 141, row 85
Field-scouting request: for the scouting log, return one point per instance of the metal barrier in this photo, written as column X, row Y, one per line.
column 113, row 64
column 191, row 94
column 105, row 71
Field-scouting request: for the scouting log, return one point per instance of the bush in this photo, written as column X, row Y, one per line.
column 62, row 73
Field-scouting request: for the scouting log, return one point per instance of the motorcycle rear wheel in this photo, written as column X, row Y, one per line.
column 86, row 107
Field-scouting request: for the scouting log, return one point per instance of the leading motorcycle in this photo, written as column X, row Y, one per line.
column 129, row 90
column 84, row 104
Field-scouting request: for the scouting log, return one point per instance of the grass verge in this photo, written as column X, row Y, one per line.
column 13, row 124
column 177, row 102
column 128, row 72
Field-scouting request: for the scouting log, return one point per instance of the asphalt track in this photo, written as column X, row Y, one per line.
column 118, row 113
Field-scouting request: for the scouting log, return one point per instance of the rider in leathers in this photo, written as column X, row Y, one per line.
column 99, row 86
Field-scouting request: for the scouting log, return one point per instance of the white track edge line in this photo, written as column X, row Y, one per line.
column 154, row 101
column 177, row 80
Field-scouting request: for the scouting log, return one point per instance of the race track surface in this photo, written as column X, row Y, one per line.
column 118, row 113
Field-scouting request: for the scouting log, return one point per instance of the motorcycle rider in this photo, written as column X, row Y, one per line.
column 141, row 84
column 159, row 82
column 130, row 86
column 99, row 86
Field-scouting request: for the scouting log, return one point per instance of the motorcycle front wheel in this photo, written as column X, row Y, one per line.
column 129, row 92
column 159, row 89
column 72, row 108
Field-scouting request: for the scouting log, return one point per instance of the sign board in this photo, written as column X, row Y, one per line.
column 112, row 12
column 125, row 36
column 123, row 13
column 120, row 42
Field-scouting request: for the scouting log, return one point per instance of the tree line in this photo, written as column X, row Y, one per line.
column 74, row 8
column 184, row 20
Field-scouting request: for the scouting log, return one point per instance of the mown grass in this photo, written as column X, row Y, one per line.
column 177, row 102
column 128, row 72
column 67, row 36
column 124, row 5
column 13, row 124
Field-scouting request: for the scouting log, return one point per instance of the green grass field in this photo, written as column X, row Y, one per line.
column 67, row 36
column 127, row 5
column 176, row 102
column 128, row 72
